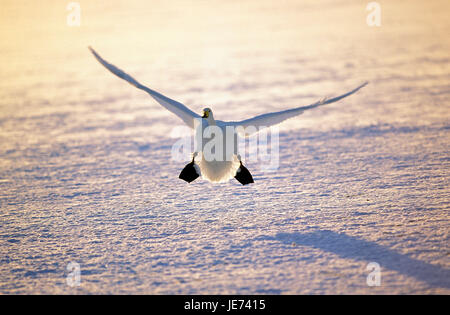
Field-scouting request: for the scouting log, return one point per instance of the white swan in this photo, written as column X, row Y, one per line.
column 230, row 164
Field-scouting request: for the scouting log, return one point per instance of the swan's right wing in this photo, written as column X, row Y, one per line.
column 270, row 119
column 175, row 107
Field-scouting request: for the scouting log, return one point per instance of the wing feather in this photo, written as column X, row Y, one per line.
column 175, row 107
column 270, row 119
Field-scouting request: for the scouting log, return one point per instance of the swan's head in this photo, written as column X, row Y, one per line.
column 207, row 112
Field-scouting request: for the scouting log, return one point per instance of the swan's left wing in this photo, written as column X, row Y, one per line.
column 270, row 119
column 175, row 107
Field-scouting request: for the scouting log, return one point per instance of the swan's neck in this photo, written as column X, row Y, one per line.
column 211, row 121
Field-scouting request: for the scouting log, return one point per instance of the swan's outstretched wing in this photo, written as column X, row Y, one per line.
column 175, row 107
column 270, row 119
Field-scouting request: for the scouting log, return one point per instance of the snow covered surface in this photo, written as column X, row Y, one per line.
column 86, row 173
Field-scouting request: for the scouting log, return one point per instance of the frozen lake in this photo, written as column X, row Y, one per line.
column 86, row 174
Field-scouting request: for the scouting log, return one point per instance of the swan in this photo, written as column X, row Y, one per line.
column 224, row 164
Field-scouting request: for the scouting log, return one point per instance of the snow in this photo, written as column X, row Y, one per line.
column 86, row 173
